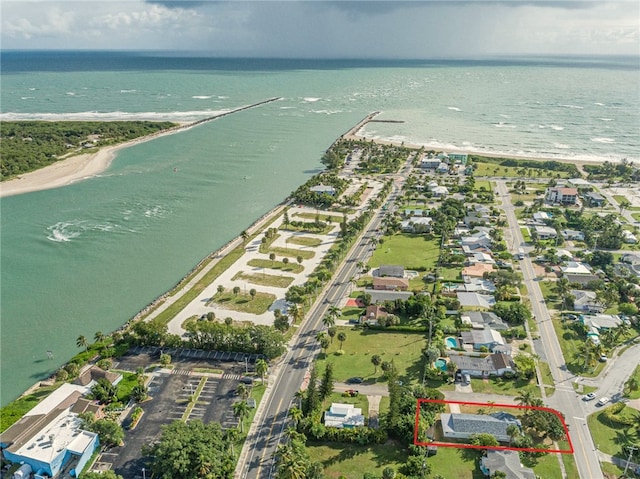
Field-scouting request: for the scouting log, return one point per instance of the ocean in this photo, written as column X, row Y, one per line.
column 88, row 257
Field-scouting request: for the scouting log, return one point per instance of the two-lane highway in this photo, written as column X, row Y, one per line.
column 256, row 460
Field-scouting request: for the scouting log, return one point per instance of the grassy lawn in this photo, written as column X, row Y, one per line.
column 546, row 466
column 569, row 341
column 222, row 265
column 568, row 460
column 480, row 184
column 292, row 253
column 525, row 234
column 243, row 302
column 351, row 312
column 508, row 387
column 455, row 463
column 305, row 241
column 360, row 401
column 277, row 281
column 309, row 230
column 403, row 348
column 547, row 379
column 13, row 411
column 609, row 437
column 450, row 274
column 612, row 470
column 128, row 382
column 636, row 216
column 278, row 265
column 548, row 291
column 410, row 251
column 635, row 394
column 323, row 217
column 493, row 169
column 352, row 461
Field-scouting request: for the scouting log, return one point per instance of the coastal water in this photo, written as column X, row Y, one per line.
column 89, row 256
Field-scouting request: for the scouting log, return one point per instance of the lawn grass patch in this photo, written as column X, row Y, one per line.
column 455, row 463
column 322, row 217
column 352, row 461
column 13, row 411
column 221, row 266
column 267, row 241
column 208, row 370
column 308, row 229
column 545, row 372
column 612, row 470
column 275, row 280
column 292, row 253
column 609, row 437
column 360, row 401
column 289, row 267
column 570, row 341
column 126, row 385
column 450, row 273
column 546, row 466
column 526, row 235
column 482, row 185
column 634, row 394
column 404, row 349
column 351, row 313
column 412, row 251
column 243, row 302
column 507, row 387
column 305, row 241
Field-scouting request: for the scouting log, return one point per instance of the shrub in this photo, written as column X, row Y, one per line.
column 105, row 363
column 61, row 375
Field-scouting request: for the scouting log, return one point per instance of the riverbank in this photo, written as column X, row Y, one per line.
column 84, row 166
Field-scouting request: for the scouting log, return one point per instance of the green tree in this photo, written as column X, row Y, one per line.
column 245, row 236
column 104, row 392
column 108, row 474
column 99, row 337
column 526, row 365
column 296, row 415
column 272, row 257
column 193, row 446
column 240, row 411
column 326, row 385
column 139, row 392
column 325, row 342
column 109, row 432
column 524, row 398
column 236, row 290
column 332, row 331
column 220, row 289
column 165, row 359
column 342, row 337
column 376, row 360
column 328, row 321
column 311, row 400
column 299, row 259
column 252, row 293
column 261, row 368
column 483, row 439
column 82, row 342
column 243, row 391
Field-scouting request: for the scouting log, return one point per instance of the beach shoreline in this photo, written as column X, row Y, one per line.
column 84, row 166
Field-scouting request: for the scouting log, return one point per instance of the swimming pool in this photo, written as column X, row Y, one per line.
column 441, row 364
column 451, row 342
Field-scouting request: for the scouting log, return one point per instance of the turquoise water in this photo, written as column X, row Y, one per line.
column 88, row 257
column 452, row 343
column 441, row 364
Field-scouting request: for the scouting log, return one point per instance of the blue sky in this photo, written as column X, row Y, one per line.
column 329, row 29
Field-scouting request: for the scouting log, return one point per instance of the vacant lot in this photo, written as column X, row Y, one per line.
column 404, row 349
column 411, row 251
column 277, row 265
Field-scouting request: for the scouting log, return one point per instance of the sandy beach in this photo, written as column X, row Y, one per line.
column 84, row 166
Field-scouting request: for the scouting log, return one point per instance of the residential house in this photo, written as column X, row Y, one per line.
column 481, row 237
column 594, row 200
column 459, row 157
column 601, row 322
column 49, row 437
column 581, row 279
column 380, row 296
column 545, row 232
column 416, row 224
column 478, row 215
column 477, row 270
column 389, row 270
column 482, row 338
column 429, row 163
column 482, row 257
column 507, row 462
column 585, row 301
column 390, row 284
column 563, row 195
column 476, row 285
column 90, row 376
column 575, row 268
column 342, row 415
column 440, row 191
column 496, row 364
column 442, row 168
column 323, row 189
column 628, row 237
column 542, row 217
column 572, row 235
column 373, row 313
column 579, row 183
column 629, row 264
column 475, row 300
column 463, row 426
column 482, row 319
column 413, row 212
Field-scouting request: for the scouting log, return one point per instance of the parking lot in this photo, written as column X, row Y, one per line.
column 170, row 394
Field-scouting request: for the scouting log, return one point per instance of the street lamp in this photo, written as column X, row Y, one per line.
column 144, row 476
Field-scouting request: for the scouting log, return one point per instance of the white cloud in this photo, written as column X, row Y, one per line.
column 328, row 29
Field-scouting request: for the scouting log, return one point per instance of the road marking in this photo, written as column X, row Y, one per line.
column 579, row 418
column 273, row 423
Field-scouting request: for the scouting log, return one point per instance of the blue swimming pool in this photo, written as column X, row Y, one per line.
column 451, row 342
column 441, row 364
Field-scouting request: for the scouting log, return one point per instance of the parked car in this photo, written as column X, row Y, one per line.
column 246, row 380
column 355, row 380
column 603, row 358
column 589, row 397
column 602, row 401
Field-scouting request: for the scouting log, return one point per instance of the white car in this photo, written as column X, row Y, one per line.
column 602, row 401
column 589, row 397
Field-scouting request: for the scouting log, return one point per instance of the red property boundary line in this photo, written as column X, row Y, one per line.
column 497, row 448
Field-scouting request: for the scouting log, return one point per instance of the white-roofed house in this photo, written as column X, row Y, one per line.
column 585, row 301
column 575, row 267
column 545, row 232
column 416, row 224
column 343, row 416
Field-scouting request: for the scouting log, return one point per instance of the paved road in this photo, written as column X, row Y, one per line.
column 565, row 399
column 271, row 418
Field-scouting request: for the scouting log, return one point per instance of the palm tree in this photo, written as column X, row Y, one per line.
column 633, row 384
column 231, row 437
column 99, row 337
column 296, row 312
column 342, row 337
column 82, row 342
column 245, row 236
column 242, row 391
column 299, row 395
column 513, row 431
column 525, row 398
column 376, row 360
column 328, row 321
column 262, row 367
column 588, row 350
column 272, row 257
column 236, row 290
column 299, row 259
column 325, row 342
column 296, row 415
column 252, row 293
column 334, row 312
column 240, row 411
column 220, row 289
column 562, row 289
